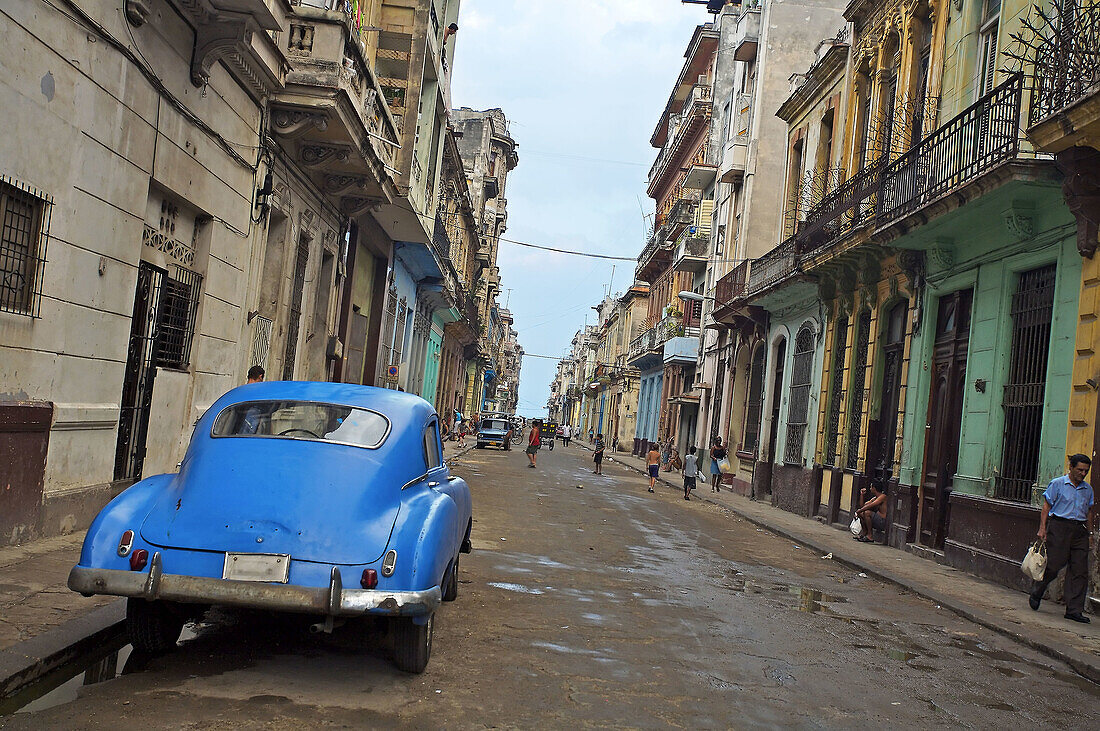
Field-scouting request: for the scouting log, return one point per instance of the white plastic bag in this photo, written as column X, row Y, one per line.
column 856, row 527
column 1035, row 562
column 724, row 466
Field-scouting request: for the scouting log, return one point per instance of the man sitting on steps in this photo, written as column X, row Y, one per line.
column 872, row 511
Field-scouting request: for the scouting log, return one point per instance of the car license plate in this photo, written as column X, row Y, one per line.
column 256, row 567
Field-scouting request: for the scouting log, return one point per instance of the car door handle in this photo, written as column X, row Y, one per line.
column 433, row 483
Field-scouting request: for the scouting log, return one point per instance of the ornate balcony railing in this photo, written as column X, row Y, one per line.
column 697, row 108
column 642, row 344
column 850, row 205
column 980, row 138
column 779, row 263
column 731, row 285
column 1067, row 60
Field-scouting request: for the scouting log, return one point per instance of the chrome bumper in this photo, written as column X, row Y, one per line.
column 332, row 601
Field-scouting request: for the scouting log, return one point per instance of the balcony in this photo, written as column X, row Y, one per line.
column 777, row 265
column 683, row 128
column 682, row 212
column 691, row 252
column 1065, row 103
column 731, row 286
column 332, row 113
column 234, row 32
column 655, row 257
column 746, row 36
column 642, row 345
column 972, row 145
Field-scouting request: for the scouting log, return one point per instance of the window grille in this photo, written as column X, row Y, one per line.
column 859, row 366
column 1024, row 391
column 295, row 320
column 176, row 318
column 836, row 390
column 388, row 320
column 754, row 403
column 261, row 341
column 801, row 379
column 24, row 231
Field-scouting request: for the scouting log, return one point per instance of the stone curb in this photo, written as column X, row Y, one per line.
column 1081, row 662
column 73, row 645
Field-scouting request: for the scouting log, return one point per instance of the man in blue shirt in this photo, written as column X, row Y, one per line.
column 1066, row 503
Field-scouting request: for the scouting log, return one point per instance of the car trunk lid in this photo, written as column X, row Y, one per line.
column 314, row 501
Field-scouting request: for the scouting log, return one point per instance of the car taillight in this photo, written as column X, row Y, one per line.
column 389, row 562
column 138, row 559
column 370, row 579
column 125, row 543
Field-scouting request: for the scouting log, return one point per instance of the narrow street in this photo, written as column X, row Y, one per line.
column 588, row 602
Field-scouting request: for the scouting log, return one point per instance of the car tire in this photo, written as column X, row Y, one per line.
column 450, row 592
column 154, row 626
column 412, row 644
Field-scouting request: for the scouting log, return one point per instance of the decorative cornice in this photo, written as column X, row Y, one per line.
column 293, row 123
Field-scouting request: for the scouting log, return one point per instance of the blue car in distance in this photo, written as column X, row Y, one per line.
column 495, row 431
column 324, row 499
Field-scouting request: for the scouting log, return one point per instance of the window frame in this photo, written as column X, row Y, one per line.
column 29, row 300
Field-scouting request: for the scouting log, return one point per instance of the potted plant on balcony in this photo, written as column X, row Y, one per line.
column 673, row 311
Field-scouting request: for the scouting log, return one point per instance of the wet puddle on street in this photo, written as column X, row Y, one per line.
column 518, row 588
column 123, row 661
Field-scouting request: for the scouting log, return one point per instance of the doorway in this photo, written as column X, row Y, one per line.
column 944, row 414
column 141, row 369
column 893, row 351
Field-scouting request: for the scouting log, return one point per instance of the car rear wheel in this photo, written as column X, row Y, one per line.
column 152, row 626
column 450, row 593
column 412, row 644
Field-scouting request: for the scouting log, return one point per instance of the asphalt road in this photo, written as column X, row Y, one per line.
column 589, row 602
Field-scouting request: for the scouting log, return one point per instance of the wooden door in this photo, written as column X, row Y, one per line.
column 944, row 414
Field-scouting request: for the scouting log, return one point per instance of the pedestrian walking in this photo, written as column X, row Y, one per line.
column 598, row 456
column 1065, row 524
column 691, row 471
column 590, row 433
column 566, row 433
column 534, row 441
column 717, row 454
column 653, row 463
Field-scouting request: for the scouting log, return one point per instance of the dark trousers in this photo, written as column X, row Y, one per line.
column 1067, row 545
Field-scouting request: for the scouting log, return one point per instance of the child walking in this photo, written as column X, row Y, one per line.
column 598, row 456
column 653, row 464
column 691, row 471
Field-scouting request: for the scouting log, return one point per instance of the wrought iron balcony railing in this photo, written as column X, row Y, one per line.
column 1067, row 59
column 977, row 140
column 778, row 264
column 642, row 344
column 968, row 146
column 732, row 285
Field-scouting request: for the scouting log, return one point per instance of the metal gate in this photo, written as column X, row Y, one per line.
column 141, row 368
column 295, row 320
column 1025, row 390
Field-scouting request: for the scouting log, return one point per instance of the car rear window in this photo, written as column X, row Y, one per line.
column 304, row 420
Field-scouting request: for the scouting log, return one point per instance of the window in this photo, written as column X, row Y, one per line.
column 987, row 46
column 303, row 420
column 920, row 84
column 24, row 230
column 176, row 318
column 1025, row 389
column 836, row 390
column 801, row 379
column 859, row 368
column 431, row 446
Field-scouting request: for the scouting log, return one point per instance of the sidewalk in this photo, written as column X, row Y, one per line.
column 993, row 606
column 34, row 598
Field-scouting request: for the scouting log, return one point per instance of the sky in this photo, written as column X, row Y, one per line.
column 583, row 84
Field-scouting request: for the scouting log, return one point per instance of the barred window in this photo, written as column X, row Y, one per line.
column 176, row 319
column 1025, row 390
column 24, row 229
column 858, row 376
column 801, row 380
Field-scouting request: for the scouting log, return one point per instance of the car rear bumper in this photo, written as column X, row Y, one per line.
column 333, row 600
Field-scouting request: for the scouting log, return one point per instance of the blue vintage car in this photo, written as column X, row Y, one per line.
column 318, row 498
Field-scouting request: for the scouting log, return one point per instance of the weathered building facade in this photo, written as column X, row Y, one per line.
column 221, row 188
